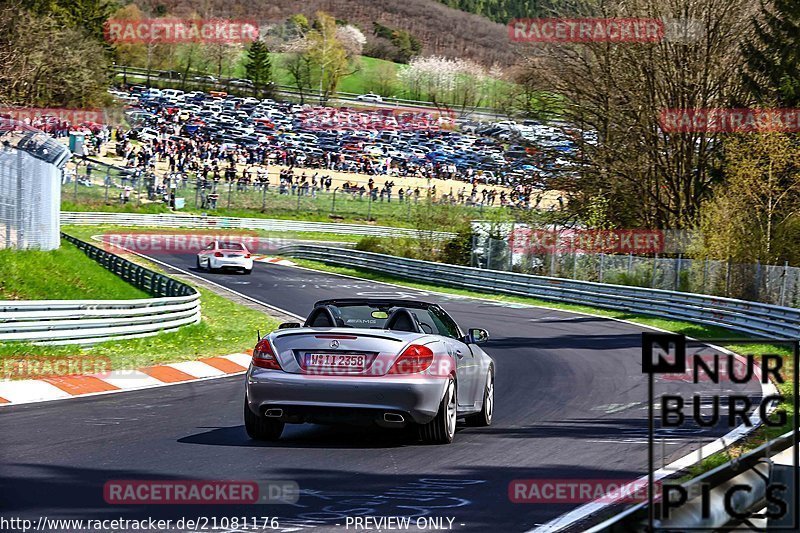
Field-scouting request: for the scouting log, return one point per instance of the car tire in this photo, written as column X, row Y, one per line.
column 261, row 427
column 483, row 418
column 442, row 428
column 199, row 265
column 248, row 271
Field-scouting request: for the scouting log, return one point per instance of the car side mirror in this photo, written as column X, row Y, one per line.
column 477, row 336
column 289, row 325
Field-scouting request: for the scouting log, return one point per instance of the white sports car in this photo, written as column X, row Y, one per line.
column 225, row 255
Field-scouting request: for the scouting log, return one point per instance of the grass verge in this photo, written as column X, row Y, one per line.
column 63, row 274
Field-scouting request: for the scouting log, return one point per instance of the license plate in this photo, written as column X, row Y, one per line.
column 329, row 361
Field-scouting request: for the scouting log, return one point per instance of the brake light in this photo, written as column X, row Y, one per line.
column 264, row 356
column 217, row 254
column 247, row 256
column 415, row 358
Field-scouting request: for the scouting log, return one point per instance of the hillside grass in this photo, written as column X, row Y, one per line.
column 361, row 81
column 63, row 274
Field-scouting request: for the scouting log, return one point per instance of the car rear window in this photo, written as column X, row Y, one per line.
column 365, row 316
column 224, row 245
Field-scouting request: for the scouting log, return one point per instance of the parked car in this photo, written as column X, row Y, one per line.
column 369, row 97
column 205, row 78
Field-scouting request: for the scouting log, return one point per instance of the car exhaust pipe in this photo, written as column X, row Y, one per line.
column 273, row 413
column 393, row 417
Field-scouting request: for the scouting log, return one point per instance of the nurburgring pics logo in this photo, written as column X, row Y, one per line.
column 746, row 387
column 734, row 120
column 174, row 30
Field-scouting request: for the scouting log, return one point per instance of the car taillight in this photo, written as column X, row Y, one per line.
column 415, row 358
column 217, row 254
column 247, row 256
column 264, row 356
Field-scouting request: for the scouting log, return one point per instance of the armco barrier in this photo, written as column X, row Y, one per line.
column 226, row 223
column 753, row 318
column 90, row 321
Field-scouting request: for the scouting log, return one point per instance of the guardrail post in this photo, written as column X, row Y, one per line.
column 757, row 291
column 655, row 271
column 783, row 283
column 602, row 264
column 728, row 277
column 574, row 265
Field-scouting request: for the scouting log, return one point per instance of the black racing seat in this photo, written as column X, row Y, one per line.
column 323, row 317
column 402, row 319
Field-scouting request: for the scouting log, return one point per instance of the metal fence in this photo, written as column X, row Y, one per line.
column 748, row 317
column 90, row 321
column 772, row 284
column 95, row 184
column 30, row 187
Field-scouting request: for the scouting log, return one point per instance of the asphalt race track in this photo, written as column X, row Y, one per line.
column 570, row 403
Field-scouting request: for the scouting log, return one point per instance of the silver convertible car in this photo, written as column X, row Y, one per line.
column 393, row 363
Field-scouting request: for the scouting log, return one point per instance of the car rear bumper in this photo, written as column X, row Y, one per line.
column 231, row 262
column 343, row 399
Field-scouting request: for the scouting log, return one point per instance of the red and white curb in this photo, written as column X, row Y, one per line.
column 63, row 387
column 273, row 260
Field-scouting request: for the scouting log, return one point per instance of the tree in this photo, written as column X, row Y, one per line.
column 654, row 177
column 47, row 64
column 383, row 79
column 754, row 213
column 328, row 54
column 773, row 54
column 89, row 15
column 298, row 64
column 259, row 66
